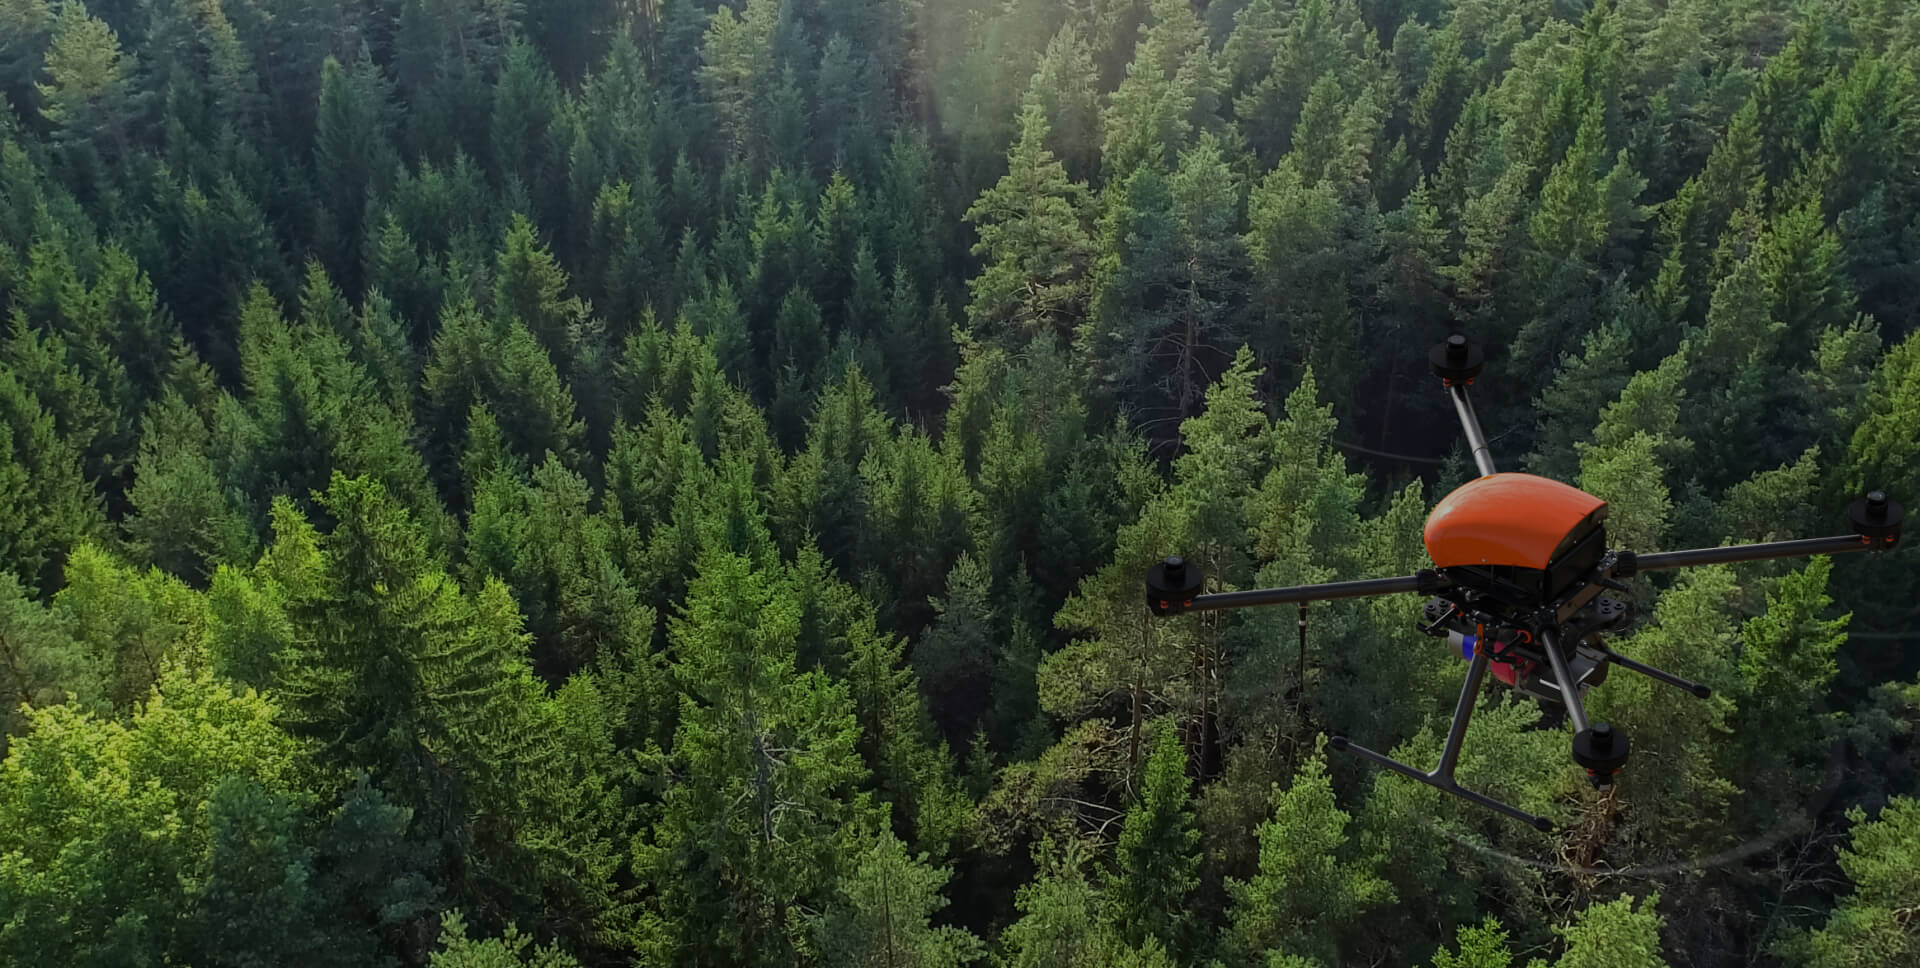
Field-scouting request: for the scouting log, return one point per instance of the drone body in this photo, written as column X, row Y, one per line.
column 1511, row 544
column 1521, row 567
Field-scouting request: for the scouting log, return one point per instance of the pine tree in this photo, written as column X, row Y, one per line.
column 1614, row 933
column 27, row 26
column 1787, row 660
column 82, row 414
column 1280, row 59
column 1583, row 385
column 531, row 288
column 510, row 950
column 1135, row 298
column 956, row 657
column 883, row 915
column 500, row 364
column 1800, row 259
column 1682, row 808
column 395, row 670
column 911, row 770
column 919, row 521
column 1299, row 243
column 521, row 135
column 1868, row 928
column 845, row 427
column 1166, row 667
column 1035, row 246
column 1066, row 86
column 1064, row 921
column 1158, row 857
column 1170, row 85
column 1480, row 946
column 799, row 354
column 1206, row 208
column 837, row 234
column 1879, row 452
column 864, row 312
column 558, row 559
column 1306, row 894
column 626, row 245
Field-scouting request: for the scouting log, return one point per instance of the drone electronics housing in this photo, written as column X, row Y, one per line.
column 1521, row 539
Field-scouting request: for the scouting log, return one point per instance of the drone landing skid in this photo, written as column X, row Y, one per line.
column 1658, row 675
column 1442, row 776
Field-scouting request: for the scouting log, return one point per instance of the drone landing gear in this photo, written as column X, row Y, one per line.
column 1688, row 685
column 1442, row 776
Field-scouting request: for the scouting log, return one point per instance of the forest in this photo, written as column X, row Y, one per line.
column 578, row 483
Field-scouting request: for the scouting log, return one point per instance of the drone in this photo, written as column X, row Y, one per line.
column 1519, row 587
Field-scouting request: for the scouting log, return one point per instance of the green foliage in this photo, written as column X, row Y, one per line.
column 42, row 663
column 956, row 657
column 1613, row 933
column 1034, row 243
column 1158, row 856
column 86, row 89
column 45, row 508
column 1481, row 946
column 1064, row 921
column 1291, row 904
column 644, row 543
column 110, row 854
column 1170, row 82
column 737, row 68
column 183, row 520
column 353, row 157
column 1871, row 926
column 500, row 365
column 558, row 559
column 1880, row 452
column 129, row 624
column 510, row 950
column 883, row 915
column 768, row 809
column 1787, row 661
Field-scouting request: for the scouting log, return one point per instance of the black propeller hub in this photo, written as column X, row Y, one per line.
column 1602, row 750
column 1456, row 360
column 1172, row 585
column 1877, row 518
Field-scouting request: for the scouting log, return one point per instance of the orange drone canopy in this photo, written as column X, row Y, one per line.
column 1518, row 520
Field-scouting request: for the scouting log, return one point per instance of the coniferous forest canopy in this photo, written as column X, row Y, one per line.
column 491, row 483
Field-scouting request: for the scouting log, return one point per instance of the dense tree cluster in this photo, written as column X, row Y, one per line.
column 488, row 483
